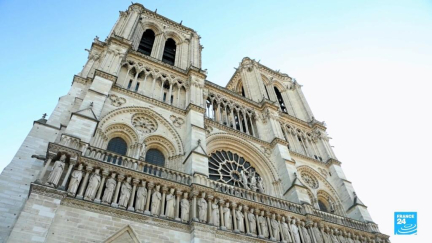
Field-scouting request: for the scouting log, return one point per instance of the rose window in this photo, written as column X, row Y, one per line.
column 309, row 179
column 230, row 168
column 144, row 123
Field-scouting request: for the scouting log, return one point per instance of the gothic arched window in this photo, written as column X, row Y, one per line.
column 154, row 156
column 146, row 43
column 117, row 145
column 169, row 52
column 322, row 206
column 281, row 102
column 228, row 167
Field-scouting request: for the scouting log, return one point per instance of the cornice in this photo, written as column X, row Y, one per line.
column 315, row 161
column 163, row 19
column 332, row 161
column 148, row 99
column 104, row 75
column 232, row 94
column 195, row 108
column 81, row 80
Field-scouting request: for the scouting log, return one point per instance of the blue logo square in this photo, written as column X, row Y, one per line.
column 405, row 223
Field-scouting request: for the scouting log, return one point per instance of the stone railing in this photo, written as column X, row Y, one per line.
column 142, row 188
column 138, row 165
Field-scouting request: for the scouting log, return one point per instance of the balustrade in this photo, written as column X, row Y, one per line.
column 147, row 189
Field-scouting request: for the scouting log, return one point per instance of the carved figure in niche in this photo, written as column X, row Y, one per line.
column 253, row 181
column 333, row 236
column 244, row 180
column 156, row 200
column 285, row 230
column 263, row 223
column 170, row 204
column 202, row 209
column 110, row 185
column 348, row 238
column 306, row 237
column 141, row 197
column 184, row 204
column 325, row 234
column 317, row 233
column 227, row 216
column 240, row 219
column 332, row 206
column 57, row 171
column 295, row 232
column 341, row 237
column 260, row 185
column 215, row 213
column 275, row 227
column 93, row 186
column 252, row 221
column 125, row 193
column 75, row 180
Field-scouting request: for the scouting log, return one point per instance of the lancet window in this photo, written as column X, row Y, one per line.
column 146, row 43
column 231, row 115
column 169, row 52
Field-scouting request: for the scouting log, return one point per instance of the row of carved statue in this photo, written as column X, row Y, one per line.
column 141, row 196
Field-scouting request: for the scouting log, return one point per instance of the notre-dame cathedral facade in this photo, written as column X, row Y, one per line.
column 144, row 149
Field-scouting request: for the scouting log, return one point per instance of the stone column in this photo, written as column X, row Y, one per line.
column 221, row 214
column 149, row 194
column 84, row 183
column 269, row 224
column 245, row 213
column 132, row 197
column 42, row 174
column 66, row 178
column 209, row 208
column 162, row 210
column 102, row 184
column 194, row 204
column 120, row 178
column 177, row 209
column 233, row 207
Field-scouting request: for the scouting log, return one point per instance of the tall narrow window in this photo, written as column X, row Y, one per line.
column 130, row 84
column 117, row 145
column 243, row 93
column 154, row 156
column 281, row 102
column 146, row 43
column 137, row 87
column 169, row 52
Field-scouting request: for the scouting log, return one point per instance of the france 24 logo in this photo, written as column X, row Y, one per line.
column 405, row 223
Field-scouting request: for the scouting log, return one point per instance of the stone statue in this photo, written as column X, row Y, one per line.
column 244, row 179
column 275, row 227
column 306, row 237
column 227, row 216
column 295, row 232
column 252, row 221
column 93, row 186
column 110, row 186
column 341, row 237
column 125, row 193
column 75, row 180
column 170, row 204
column 263, row 223
column 156, row 200
column 326, row 235
column 348, row 238
column 253, row 181
column 202, row 209
column 317, row 233
column 184, row 204
column 57, row 171
column 215, row 213
column 240, row 219
column 333, row 236
column 285, row 230
column 141, row 197
column 357, row 239
column 260, row 185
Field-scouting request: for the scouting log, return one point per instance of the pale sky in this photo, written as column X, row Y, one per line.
column 365, row 67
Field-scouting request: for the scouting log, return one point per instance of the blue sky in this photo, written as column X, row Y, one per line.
column 365, row 67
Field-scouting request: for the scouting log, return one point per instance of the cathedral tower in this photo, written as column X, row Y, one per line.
column 144, row 149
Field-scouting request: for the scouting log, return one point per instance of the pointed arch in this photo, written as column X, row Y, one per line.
column 260, row 162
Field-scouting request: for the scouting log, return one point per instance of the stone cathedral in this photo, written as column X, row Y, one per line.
column 144, row 149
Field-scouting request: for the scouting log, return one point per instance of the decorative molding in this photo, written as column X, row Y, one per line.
column 177, row 121
column 104, row 75
column 116, row 100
